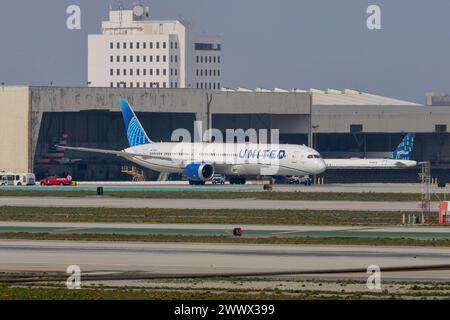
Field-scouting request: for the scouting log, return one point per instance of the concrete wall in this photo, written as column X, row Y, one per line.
column 380, row 119
column 14, row 129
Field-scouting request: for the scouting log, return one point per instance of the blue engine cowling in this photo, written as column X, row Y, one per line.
column 199, row 171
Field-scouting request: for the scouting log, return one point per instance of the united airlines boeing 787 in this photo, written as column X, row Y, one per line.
column 200, row 161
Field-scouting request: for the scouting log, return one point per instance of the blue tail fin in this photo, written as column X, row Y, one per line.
column 135, row 131
column 405, row 148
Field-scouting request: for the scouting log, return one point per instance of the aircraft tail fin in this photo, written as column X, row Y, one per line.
column 135, row 132
column 405, row 148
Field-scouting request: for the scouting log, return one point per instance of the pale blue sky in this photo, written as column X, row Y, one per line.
column 283, row 43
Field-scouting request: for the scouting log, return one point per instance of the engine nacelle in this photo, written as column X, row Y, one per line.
column 199, row 171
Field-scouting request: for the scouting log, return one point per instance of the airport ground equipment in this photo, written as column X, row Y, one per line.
column 135, row 173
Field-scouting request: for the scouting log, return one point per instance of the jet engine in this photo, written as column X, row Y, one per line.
column 199, row 171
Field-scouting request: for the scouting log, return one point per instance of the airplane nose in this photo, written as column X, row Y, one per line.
column 321, row 166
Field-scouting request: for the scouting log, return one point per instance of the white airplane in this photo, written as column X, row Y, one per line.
column 400, row 159
column 200, row 161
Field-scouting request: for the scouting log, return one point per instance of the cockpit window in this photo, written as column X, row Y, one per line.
column 317, row 156
column 314, row 156
column 310, row 156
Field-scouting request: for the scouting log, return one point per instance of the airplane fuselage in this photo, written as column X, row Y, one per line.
column 242, row 159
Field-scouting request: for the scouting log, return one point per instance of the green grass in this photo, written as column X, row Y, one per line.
column 231, row 240
column 310, row 196
column 275, row 217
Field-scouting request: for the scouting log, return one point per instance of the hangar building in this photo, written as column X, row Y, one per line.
column 343, row 123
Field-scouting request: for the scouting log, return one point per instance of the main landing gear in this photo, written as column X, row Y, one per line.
column 237, row 180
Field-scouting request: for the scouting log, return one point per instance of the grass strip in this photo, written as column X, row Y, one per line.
column 231, row 240
column 221, row 216
column 307, row 196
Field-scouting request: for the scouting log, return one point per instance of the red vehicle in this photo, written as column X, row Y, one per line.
column 55, row 181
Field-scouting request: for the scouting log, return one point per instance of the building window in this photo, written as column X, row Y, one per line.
column 131, row 84
column 218, row 73
column 151, row 72
column 118, row 58
column 164, row 58
column 164, row 85
column 111, row 45
column 144, row 57
column 124, row 58
column 176, row 45
column 157, row 72
column 214, row 60
column 171, row 45
column 111, row 72
column 164, row 72
column 138, row 46
column 131, row 45
column 171, row 71
column 124, row 45
column 131, row 72
column 144, row 71
column 111, row 59
column 441, row 128
column 176, row 84
column 164, row 45
column 157, row 45
column 198, row 59
column 218, row 59
column 124, row 72
column 118, row 45
column 356, row 128
column 144, row 44
column 176, row 58
column 176, row 72
column 138, row 71
column 151, row 58
column 138, row 58
column 201, row 59
column 131, row 58
column 151, row 45
column 210, row 59
column 118, row 72
column 137, row 85
column 145, row 83
column 157, row 58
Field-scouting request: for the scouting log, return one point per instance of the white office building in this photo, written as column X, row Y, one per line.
column 135, row 52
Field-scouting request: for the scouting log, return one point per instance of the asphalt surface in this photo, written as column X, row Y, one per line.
column 257, row 186
column 418, row 232
column 213, row 258
column 250, row 187
column 106, row 202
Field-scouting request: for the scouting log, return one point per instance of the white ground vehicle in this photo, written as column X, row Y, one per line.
column 17, row 179
column 218, row 179
column 305, row 180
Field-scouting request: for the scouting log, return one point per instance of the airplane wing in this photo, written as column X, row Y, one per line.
column 123, row 154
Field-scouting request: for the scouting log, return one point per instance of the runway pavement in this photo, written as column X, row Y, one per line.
column 213, row 258
column 257, row 186
column 250, row 187
column 107, row 202
column 225, row 230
